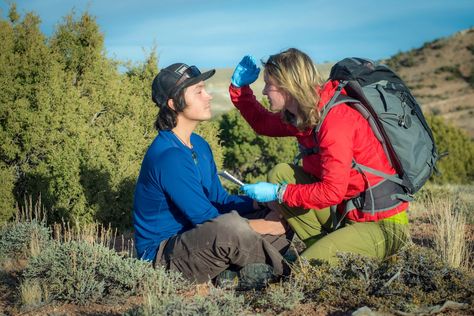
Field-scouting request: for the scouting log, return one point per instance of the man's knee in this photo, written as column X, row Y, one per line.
column 231, row 225
column 280, row 173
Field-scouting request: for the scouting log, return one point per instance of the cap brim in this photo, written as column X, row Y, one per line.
column 202, row 77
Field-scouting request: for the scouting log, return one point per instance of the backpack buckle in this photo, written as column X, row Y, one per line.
column 358, row 202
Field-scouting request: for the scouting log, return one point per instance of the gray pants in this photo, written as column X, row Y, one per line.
column 226, row 241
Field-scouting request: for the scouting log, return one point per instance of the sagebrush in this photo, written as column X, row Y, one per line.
column 81, row 272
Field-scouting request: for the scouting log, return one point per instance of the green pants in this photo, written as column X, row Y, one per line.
column 314, row 227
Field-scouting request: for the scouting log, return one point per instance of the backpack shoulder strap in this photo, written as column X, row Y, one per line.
column 336, row 99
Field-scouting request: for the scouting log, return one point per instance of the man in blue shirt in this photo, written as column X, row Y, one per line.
column 184, row 220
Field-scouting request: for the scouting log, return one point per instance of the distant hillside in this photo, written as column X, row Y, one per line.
column 440, row 74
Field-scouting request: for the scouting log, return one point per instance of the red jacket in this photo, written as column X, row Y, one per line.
column 344, row 135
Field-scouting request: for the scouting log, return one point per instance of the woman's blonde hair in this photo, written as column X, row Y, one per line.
column 294, row 72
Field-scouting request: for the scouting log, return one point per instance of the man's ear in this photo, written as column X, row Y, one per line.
column 171, row 104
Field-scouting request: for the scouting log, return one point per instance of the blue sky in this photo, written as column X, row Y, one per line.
column 218, row 33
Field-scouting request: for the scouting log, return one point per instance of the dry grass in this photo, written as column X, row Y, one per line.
column 32, row 293
column 449, row 224
column 11, row 265
column 30, row 211
column 24, row 237
column 431, row 193
column 94, row 233
column 36, row 243
column 447, row 211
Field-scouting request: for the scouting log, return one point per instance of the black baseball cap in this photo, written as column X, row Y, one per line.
column 173, row 78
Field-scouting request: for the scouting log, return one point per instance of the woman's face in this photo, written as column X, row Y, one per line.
column 279, row 99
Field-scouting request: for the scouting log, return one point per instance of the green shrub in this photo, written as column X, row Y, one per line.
column 217, row 303
column 23, row 239
column 436, row 44
column 407, row 61
column 250, row 156
column 458, row 165
column 449, row 69
column 414, row 278
column 74, row 129
column 435, row 111
column 281, row 297
column 401, row 59
column 470, row 78
column 84, row 273
column 7, row 199
column 210, row 132
column 470, row 48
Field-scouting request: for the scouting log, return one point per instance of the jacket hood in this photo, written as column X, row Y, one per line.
column 327, row 91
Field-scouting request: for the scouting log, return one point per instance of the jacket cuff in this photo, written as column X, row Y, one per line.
column 281, row 192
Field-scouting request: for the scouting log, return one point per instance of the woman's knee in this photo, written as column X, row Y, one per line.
column 280, row 173
column 322, row 250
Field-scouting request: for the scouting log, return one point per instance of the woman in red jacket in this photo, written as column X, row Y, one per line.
column 304, row 194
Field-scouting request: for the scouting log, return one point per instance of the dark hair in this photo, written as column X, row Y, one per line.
column 167, row 117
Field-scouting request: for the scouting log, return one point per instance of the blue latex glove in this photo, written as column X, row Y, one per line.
column 246, row 72
column 262, row 191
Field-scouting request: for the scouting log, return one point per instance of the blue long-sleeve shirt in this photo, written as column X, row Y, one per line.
column 177, row 189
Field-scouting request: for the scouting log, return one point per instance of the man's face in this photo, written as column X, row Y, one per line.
column 198, row 105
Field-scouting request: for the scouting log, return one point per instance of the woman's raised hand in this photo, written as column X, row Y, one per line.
column 246, row 72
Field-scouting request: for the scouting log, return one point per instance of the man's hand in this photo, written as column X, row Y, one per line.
column 266, row 227
column 245, row 73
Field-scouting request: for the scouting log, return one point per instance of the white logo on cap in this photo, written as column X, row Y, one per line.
column 181, row 69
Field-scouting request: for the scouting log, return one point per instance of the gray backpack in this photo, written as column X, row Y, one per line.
column 396, row 120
